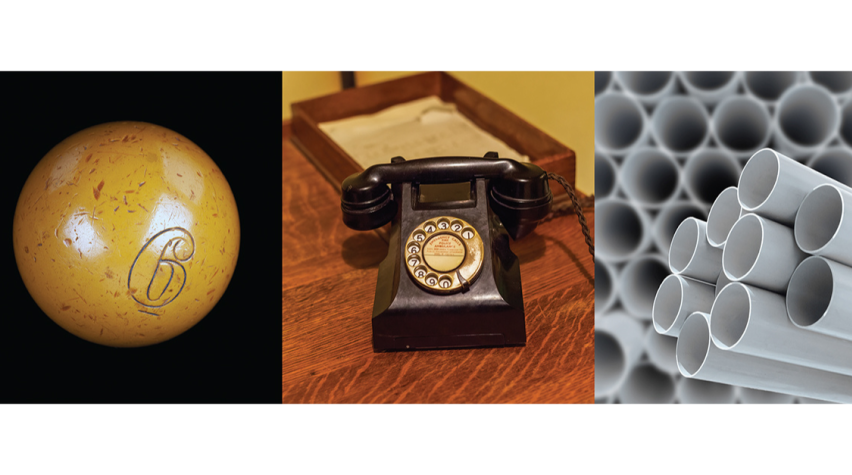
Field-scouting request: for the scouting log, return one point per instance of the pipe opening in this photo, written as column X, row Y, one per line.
column 640, row 281
column 818, row 218
column 619, row 121
column 696, row 391
column 684, row 245
column 650, row 176
column 603, row 284
column 723, row 214
column 835, row 163
column 680, row 124
column 621, row 229
column 605, row 175
column 602, row 80
column 758, row 179
column 837, row 82
column 693, row 344
column 709, row 80
column 846, row 126
column 669, row 219
column 769, row 85
column 609, row 362
column 667, row 303
column 810, row 292
column 647, row 385
column 730, row 315
column 708, row 172
column 743, row 247
column 645, row 83
column 742, row 124
column 807, row 116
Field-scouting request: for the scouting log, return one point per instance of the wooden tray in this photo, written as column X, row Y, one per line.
column 335, row 164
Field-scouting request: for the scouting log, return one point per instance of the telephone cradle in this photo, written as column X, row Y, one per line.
column 450, row 279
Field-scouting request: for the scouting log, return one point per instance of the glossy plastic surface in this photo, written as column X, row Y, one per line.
column 126, row 234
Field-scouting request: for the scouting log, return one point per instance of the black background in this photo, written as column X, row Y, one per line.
column 234, row 353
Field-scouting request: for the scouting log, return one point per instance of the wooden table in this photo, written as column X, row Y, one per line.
column 328, row 282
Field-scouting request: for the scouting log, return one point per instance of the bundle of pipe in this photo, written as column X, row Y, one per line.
column 667, row 144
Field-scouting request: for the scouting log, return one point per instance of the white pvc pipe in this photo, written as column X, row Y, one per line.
column 807, row 400
column 606, row 286
column 647, row 385
column 756, row 396
column 835, row 163
column 773, row 185
column 699, row 358
column 761, row 252
column 696, row 391
column 754, row 322
column 669, row 218
column 768, row 86
column 823, row 224
column 603, row 81
column 691, row 255
column 708, row 172
column 606, row 176
column 723, row 214
column 819, row 297
column 838, row 82
column 680, row 125
column 638, row 283
column 676, row 300
column 661, row 351
column 807, row 117
column 623, row 230
column 648, row 87
column 650, row 177
column 845, row 132
column 742, row 125
column 618, row 347
column 710, row 87
column 620, row 123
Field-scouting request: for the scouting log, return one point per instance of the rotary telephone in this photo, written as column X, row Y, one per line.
column 449, row 279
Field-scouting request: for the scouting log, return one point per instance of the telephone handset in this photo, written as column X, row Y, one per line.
column 450, row 279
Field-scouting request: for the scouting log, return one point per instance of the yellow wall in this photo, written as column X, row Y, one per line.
column 562, row 104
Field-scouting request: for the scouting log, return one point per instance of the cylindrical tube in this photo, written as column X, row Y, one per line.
column 768, row 86
column 603, row 81
column 620, row 123
column 710, row 87
column 723, row 214
column 650, row 177
column 680, row 125
column 754, row 322
column 661, row 351
column 647, row 385
column 773, row 185
column 696, row 391
column 648, row 87
column 806, row 119
column 623, row 230
column 606, row 176
column 823, row 224
column 676, row 300
column 756, row 396
column 819, row 297
column 742, row 125
column 639, row 280
column 846, row 123
column 762, row 253
column 618, row 346
column 835, row 163
column 699, row 358
column 691, row 255
column 669, row 218
column 606, row 286
column 708, row 172
column 838, row 82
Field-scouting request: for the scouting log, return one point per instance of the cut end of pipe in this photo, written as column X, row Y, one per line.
column 619, row 122
column 742, row 247
column 667, row 304
column 809, row 292
column 650, row 176
column 808, row 115
column 693, row 344
column 758, row 179
column 684, row 245
column 609, row 363
column 681, row 124
column 621, row 229
column 818, row 219
column 730, row 316
column 724, row 213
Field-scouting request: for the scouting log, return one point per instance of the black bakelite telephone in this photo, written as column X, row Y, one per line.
column 449, row 279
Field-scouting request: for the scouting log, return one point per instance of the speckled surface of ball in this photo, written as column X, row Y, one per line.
column 126, row 234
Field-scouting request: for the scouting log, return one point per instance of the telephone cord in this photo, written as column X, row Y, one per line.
column 578, row 210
